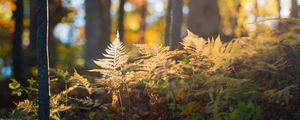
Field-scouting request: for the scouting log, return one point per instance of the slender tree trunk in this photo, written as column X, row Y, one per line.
column 236, row 20
column 204, row 18
column 279, row 8
column 98, row 23
column 234, row 23
column 121, row 28
column 43, row 64
column 256, row 12
column 32, row 58
column 17, row 42
column 143, row 23
column 174, row 22
column 294, row 9
column 279, row 15
column 52, row 44
column 168, row 24
column 56, row 13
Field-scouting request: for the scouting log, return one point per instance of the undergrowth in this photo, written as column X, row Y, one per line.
column 244, row 79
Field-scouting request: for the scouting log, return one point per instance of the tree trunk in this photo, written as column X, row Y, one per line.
column 52, row 44
column 256, row 10
column 17, row 42
column 204, row 18
column 43, row 64
column 294, row 9
column 121, row 20
column 56, row 13
column 143, row 23
column 235, row 23
column 32, row 54
column 279, row 15
column 98, row 23
column 174, row 22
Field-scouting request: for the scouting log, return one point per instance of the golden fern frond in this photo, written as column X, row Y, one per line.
column 60, row 108
column 193, row 44
column 55, row 98
column 85, row 103
column 144, row 49
column 285, row 93
column 27, row 106
column 147, row 50
column 85, row 82
column 220, row 54
column 159, row 56
column 115, row 57
column 223, row 55
column 154, row 60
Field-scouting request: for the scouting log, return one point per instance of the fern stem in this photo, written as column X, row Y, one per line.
column 121, row 103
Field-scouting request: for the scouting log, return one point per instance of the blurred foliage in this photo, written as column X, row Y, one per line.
column 238, row 18
column 6, row 29
column 6, row 9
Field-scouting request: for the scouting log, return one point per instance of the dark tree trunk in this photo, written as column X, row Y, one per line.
column 52, row 44
column 43, row 64
column 143, row 24
column 204, row 18
column 32, row 50
column 174, row 22
column 294, row 9
column 17, row 42
column 98, row 23
column 121, row 28
column 56, row 13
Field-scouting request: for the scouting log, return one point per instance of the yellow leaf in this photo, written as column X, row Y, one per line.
column 31, row 81
column 14, row 85
column 55, row 117
column 92, row 115
column 180, row 94
column 16, row 92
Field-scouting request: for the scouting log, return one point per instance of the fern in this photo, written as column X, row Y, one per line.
column 115, row 58
column 156, row 61
column 85, row 82
column 221, row 55
column 111, row 67
column 193, row 44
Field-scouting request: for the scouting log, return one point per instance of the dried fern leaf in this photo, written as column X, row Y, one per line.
column 85, row 82
column 115, row 57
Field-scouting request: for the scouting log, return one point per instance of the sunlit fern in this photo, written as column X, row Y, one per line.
column 155, row 60
column 193, row 44
column 115, row 58
column 111, row 67
column 220, row 54
column 83, row 81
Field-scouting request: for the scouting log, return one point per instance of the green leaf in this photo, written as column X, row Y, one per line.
column 185, row 60
column 14, row 85
column 31, row 81
column 17, row 92
column 55, row 117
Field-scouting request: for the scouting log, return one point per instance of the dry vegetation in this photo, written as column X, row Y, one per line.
column 246, row 78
